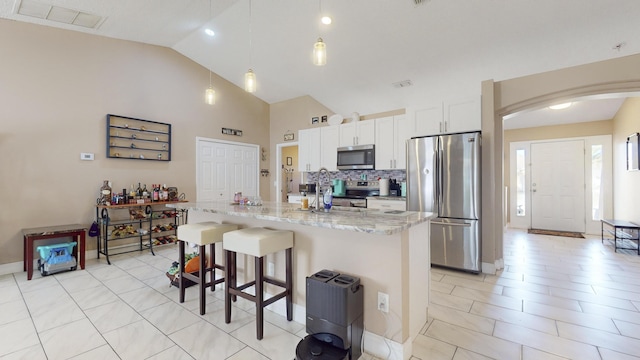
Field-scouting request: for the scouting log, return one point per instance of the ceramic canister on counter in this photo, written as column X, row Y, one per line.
column 403, row 188
column 384, row 187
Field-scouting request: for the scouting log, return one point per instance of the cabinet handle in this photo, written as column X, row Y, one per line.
column 445, row 126
column 391, row 163
column 441, row 126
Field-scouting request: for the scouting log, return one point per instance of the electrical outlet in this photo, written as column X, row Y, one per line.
column 271, row 269
column 383, row 302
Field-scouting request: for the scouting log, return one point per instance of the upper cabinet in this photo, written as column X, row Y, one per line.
column 357, row 133
column 317, row 148
column 464, row 115
column 448, row 117
column 329, row 136
column 392, row 132
column 309, row 149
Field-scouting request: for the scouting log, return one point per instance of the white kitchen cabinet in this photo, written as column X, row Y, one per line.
column 392, row 132
column 330, row 138
column 463, row 115
column 386, row 204
column 357, row 133
column 297, row 199
column 448, row 117
column 428, row 120
column 309, row 149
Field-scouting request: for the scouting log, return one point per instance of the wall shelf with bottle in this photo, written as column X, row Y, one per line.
column 131, row 138
column 126, row 228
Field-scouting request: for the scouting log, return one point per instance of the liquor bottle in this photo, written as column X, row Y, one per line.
column 105, row 193
column 145, row 192
column 156, row 192
column 165, row 192
column 132, row 192
column 139, row 192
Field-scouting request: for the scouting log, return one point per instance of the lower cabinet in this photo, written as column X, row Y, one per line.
column 297, row 199
column 386, row 204
column 136, row 227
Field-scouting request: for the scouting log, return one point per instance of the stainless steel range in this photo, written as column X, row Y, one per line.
column 356, row 193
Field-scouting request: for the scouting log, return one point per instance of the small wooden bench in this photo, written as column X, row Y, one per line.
column 50, row 232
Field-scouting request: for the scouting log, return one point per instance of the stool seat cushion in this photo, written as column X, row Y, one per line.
column 257, row 242
column 204, row 233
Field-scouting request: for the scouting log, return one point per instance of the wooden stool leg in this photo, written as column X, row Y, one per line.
column 228, row 265
column 181, row 269
column 289, row 282
column 234, row 273
column 212, row 266
column 259, row 297
column 202, row 275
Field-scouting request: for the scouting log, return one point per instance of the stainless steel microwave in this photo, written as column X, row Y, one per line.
column 357, row 157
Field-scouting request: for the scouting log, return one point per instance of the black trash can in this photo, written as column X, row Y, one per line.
column 311, row 348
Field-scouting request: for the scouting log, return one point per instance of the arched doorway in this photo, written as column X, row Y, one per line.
column 499, row 99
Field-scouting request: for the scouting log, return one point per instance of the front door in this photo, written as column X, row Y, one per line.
column 224, row 168
column 558, row 186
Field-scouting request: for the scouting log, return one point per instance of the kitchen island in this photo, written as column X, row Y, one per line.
column 387, row 250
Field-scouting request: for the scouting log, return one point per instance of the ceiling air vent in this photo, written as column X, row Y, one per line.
column 58, row 14
column 401, row 84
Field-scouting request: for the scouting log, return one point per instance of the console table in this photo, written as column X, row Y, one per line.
column 49, row 232
column 621, row 230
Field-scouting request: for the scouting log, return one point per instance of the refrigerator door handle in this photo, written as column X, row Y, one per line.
column 439, row 183
column 451, row 224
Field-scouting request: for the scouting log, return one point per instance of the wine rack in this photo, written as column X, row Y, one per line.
column 136, row 227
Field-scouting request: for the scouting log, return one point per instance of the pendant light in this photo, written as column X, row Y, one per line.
column 319, row 48
column 250, row 81
column 319, row 53
column 250, row 76
column 210, row 94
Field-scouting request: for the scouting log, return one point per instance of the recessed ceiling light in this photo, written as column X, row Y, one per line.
column 326, row 20
column 560, row 106
column 209, row 32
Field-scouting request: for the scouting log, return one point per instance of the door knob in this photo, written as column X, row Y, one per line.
column 534, row 190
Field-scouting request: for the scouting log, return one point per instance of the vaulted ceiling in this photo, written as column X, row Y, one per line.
column 445, row 48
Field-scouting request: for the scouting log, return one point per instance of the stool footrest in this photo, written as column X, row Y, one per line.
column 276, row 282
column 250, row 297
column 247, row 285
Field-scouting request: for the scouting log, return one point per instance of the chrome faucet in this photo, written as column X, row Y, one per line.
column 318, row 185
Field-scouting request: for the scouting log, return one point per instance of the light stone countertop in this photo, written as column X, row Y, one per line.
column 381, row 222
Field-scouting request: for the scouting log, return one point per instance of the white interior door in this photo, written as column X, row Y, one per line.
column 224, row 168
column 558, row 186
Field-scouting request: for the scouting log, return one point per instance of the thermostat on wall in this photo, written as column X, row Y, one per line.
column 86, row 156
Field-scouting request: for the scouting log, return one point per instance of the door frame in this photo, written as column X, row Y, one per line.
column 255, row 147
column 278, row 183
column 591, row 226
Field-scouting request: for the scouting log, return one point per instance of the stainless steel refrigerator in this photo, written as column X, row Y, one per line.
column 443, row 177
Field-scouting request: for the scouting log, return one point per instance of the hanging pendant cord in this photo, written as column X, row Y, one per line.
column 250, row 36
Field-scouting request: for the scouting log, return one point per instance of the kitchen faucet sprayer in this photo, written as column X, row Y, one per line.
column 318, row 185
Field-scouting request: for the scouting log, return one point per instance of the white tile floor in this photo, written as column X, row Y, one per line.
column 557, row 298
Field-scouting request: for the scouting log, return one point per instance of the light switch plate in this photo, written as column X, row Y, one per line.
column 86, row 156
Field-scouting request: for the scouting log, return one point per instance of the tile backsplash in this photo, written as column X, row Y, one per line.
column 399, row 175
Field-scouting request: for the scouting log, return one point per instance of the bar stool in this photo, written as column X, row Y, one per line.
column 201, row 234
column 257, row 242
